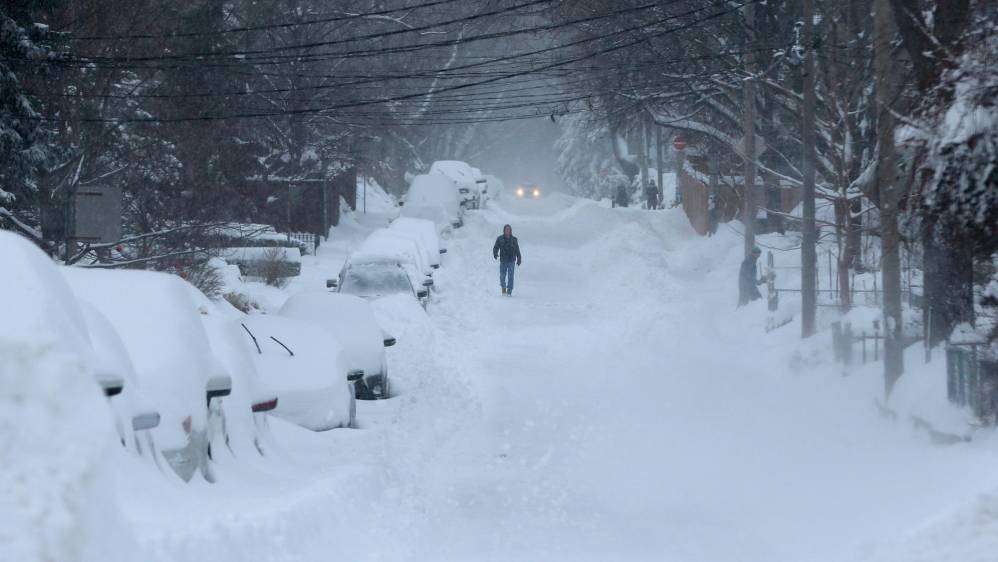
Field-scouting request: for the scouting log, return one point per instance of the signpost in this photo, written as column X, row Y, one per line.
column 96, row 215
column 679, row 143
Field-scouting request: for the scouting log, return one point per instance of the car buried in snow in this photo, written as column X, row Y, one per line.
column 434, row 197
column 135, row 414
column 304, row 365
column 468, row 186
column 159, row 326
column 246, row 408
column 351, row 320
column 39, row 298
column 373, row 280
column 425, row 234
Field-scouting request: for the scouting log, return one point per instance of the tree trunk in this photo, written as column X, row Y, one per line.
column 748, row 124
column 643, row 159
column 887, row 188
column 658, row 166
column 809, row 237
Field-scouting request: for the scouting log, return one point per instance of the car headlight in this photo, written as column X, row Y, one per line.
column 519, row 192
column 537, row 193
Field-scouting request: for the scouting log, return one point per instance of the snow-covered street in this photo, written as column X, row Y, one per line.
column 617, row 407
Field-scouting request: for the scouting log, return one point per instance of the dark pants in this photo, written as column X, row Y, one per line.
column 506, row 269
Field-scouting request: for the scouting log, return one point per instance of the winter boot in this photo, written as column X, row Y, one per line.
column 504, row 291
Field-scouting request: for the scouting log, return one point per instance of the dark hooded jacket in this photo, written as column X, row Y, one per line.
column 507, row 249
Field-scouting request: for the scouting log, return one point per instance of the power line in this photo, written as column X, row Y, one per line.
column 362, row 103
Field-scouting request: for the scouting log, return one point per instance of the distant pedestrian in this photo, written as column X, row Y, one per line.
column 651, row 194
column 748, row 279
column 507, row 251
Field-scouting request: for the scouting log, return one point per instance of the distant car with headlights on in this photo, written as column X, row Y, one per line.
column 528, row 191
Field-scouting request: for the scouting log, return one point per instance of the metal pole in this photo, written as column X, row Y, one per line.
column 809, row 238
column 748, row 125
column 364, row 178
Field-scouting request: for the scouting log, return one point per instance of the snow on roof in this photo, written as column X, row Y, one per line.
column 425, row 229
column 37, row 302
column 434, row 190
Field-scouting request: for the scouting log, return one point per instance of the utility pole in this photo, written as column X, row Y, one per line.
column 809, row 238
column 890, row 267
column 658, row 165
column 748, row 124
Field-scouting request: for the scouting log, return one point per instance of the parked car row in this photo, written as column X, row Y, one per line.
column 399, row 259
column 446, row 191
column 189, row 379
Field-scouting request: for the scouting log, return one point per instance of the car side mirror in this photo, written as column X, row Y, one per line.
column 218, row 387
column 147, row 420
column 423, row 294
column 390, row 341
column 401, row 203
column 355, row 375
column 443, row 250
column 112, row 385
column 332, row 283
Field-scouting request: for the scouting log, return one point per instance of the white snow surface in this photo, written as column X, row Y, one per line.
column 618, row 407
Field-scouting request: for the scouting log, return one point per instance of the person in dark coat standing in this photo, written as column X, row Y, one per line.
column 507, row 251
column 651, row 195
column 747, row 279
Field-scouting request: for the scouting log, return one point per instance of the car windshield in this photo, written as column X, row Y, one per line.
column 375, row 281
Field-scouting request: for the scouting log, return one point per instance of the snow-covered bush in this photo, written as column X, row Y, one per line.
column 959, row 133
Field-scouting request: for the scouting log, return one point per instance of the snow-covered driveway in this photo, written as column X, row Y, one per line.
column 616, row 408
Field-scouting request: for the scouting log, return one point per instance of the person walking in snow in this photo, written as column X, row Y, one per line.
column 747, row 279
column 507, row 251
column 651, row 195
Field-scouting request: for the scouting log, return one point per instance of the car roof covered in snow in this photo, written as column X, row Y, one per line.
column 425, row 229
column 384, row 246
column 349, row 318
column 435, row 189
column 457, row 170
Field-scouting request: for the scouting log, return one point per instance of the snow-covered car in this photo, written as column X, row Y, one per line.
column 425, row 232
column 464, row 176
column 351, row 320
column 372, row 281
column 55, row 426
column 37, row 297
column 244, row 416
column 305, row 366
column 156, row 319
column 134, row 412
column 388, row 246
column 483, row 186
column 434, row 197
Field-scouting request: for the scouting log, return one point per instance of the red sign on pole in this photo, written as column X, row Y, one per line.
column 679, row 143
